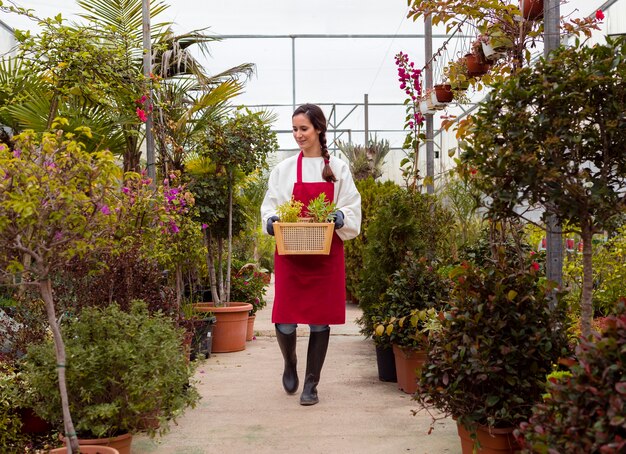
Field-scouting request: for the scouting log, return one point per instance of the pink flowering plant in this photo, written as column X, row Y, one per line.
column 161, row 219
column 410, row 82
column 55, row 204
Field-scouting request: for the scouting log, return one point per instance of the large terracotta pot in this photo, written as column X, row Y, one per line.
column 121, row 443
column 88, row 450
column 531, row 9
column 250, row 327
column 494, row 441
column 408, row 361
column 231, row 327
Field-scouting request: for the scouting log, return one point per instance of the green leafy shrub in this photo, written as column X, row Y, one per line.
column 373, row 195
column 585, row 410
column 122, row 368
column 248, row 286
column 10, row 423
column 411, row 305
column 498, row 342
column 406, row 221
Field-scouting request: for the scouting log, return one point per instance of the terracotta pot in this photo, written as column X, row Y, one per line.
column 120, row 443
column 229, row 332
column 494, row 441
column 88, row 450
column 531, row 9
column 444, row 92
column 408, row 362
column 250, row 328
column 475, row 67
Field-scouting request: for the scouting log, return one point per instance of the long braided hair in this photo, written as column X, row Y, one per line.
column 318, row 120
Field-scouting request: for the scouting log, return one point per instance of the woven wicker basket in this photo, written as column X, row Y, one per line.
column 303, row 238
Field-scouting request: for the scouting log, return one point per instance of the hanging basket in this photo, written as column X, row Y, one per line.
column 303, row 238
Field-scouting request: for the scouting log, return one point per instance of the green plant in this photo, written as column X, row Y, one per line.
column 290, row 211
column 320, row 209
column 248, row 286
column 55, row 204
column 415, row 297
column 365, row 161
column 404, row 222
column 125, row 367
column 487, row 365
column 11, row 436
column 373, row 194
column 584, row 411
column 565, row 155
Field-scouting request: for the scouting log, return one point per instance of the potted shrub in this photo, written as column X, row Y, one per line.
column 413, row 301
column 584, row 409
column 128, row 374
column 248, row 285
column 487, row 365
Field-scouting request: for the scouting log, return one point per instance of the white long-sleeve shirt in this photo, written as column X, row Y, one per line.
column 346, row 197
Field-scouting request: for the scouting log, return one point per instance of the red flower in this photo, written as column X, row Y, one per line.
column 142, row 114
column 535, row 266
column 599, row 15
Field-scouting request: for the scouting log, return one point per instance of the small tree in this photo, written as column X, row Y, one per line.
column 366, row 161
column 554, row 135
column 54, row 205
column 238, row 146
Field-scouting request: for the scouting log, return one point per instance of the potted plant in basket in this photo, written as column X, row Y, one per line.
column 413, row 303
column 128, row 374
column 487, row 365
column 305, row 230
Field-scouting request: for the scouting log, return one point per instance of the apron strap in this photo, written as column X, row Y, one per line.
column 299, row 169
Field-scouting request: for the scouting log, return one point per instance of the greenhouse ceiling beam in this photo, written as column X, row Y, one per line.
column 293, row 38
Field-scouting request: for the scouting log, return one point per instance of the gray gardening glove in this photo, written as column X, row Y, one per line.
column 270, row 224
column 338, row 218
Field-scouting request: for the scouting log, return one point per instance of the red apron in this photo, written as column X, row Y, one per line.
column 310, row 289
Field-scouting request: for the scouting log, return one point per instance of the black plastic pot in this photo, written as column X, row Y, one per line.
column 386, row 362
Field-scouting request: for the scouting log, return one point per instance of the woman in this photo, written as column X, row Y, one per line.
column 310, row 289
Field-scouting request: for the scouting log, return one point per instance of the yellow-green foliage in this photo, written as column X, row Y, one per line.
column 290, row 211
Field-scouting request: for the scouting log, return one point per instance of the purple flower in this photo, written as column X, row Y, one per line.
column 173, row 227
column 125, row 190
column 17, row 153
column 58, row 236
column 104, row 209
column 204, row 226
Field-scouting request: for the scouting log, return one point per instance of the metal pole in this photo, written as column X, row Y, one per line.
column 147, row 66
column 293, row 72
column 366, row 115
column 554, row 242
column 430, row 146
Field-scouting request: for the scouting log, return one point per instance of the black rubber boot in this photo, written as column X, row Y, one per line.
column 287, row 344
column 318, row 344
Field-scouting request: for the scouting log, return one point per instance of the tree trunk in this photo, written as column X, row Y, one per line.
column 179, row 287
column 230, row 236
column 45, row 288
column 220, row 269
column 211, row 267
column 586, row 303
